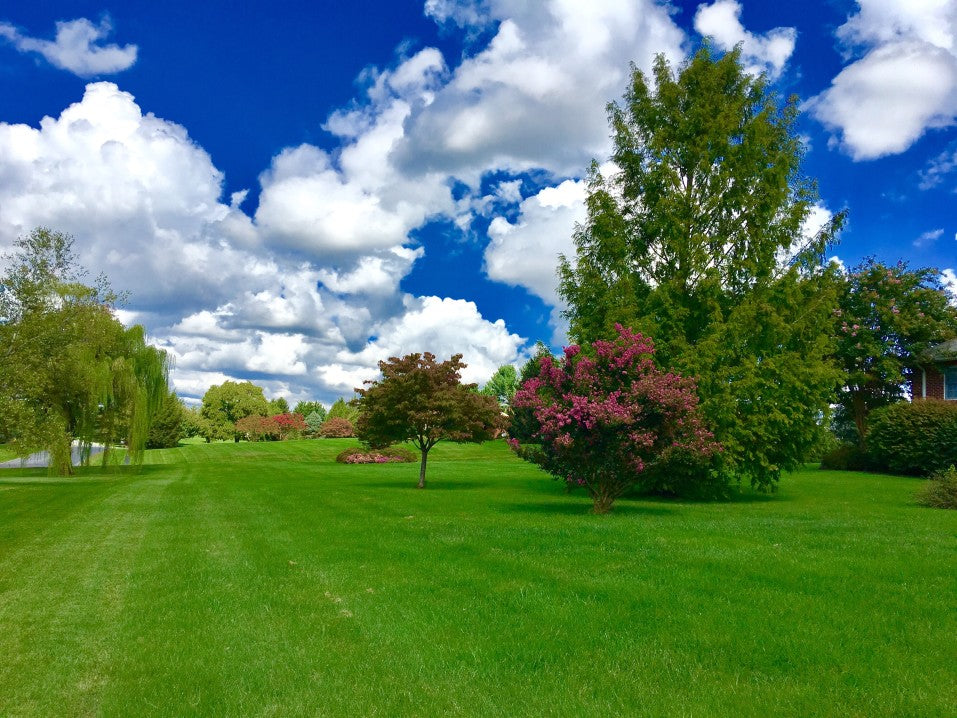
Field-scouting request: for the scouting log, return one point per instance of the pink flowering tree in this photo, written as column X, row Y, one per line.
column 612, row 420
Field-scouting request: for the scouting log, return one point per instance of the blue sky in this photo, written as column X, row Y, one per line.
column 291, row 193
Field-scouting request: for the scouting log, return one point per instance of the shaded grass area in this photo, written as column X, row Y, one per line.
column 265, row 579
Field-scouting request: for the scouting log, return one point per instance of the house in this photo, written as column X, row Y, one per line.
column 936, row 376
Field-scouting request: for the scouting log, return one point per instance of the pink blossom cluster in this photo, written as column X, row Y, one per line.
column 611, row 416
column 370, row 458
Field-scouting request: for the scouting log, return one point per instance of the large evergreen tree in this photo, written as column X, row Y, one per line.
column 699, row 241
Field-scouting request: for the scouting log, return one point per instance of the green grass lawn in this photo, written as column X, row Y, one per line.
column 264, row 579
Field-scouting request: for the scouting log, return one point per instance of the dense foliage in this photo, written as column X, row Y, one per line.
column 225, row 404
column 337, row 427
column 424, row 402
column 341, row 409
column 522, row 423
column 940, row 492
column 279, row 405
column 308, row 408
column 314, row 421
column 166, row 429
column 257, row 428
column 69, row 370
column 502, row 385
column 914, row 438
column 290, row 425
column 612, row 421
column 849, row 457
column 887, row 316
column 700, row 241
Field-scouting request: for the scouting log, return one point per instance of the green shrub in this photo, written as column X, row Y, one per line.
column 849, row 457
column 940, row 491
column 387, row 455
column 914, row 438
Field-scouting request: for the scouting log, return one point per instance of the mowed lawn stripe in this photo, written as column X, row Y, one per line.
column 264, row 579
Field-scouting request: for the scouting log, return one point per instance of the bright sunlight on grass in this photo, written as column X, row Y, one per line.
column 265, row 579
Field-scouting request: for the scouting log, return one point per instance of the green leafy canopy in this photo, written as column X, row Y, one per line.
column 699, row 241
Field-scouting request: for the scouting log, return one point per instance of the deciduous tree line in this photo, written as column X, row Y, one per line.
column 711, row 336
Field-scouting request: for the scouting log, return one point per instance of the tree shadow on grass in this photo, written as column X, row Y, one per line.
column 744, row 497
column 82, row 475
column 583, row 508
column 430, row 485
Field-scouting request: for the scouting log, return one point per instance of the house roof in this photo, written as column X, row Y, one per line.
column 942, row 352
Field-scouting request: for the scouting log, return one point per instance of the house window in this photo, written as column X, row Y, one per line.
column 950, row 383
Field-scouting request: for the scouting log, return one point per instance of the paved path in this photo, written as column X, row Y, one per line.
column 42, row 458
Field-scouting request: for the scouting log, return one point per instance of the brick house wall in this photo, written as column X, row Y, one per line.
column 928, row 381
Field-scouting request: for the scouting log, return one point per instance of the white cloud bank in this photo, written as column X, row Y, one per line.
column 215, row 287
column 304, row 295
column 76, row 47
column 721, row 21
column 525, row 253
column 904, row 85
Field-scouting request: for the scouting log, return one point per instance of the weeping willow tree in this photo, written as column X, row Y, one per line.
column 69, row 370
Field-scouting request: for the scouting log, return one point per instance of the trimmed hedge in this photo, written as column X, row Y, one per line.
column 914, row 438
column 388, row 455
column 849, row 457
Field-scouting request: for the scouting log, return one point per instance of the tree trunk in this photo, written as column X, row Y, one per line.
column 61, row 455
column 603, row 502
column 859, row 409
column 604, row 495
column 425, row 458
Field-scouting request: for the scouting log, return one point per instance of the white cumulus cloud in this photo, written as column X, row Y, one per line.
column 535, row 96
column 525, row 253
column 904, row 84
column 721, row 21
column 76, row 47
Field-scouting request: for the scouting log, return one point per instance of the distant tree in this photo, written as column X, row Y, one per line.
column 699, row 240
column 337, row 428
column 227, row 403
column 314, row 421
column 341, row 409
column 69, row 370
column 192, row 421
column 291, row 426
column 305, row 408
column 887, row 317
column 423, row 401
column 279, row 405
column 166, row 428
column 258, row 428
column 614, row 421
column 502, row 385
column 522, row 423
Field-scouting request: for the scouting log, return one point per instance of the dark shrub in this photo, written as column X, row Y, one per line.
column 337, row 428
column 849, row 457
column 388, row 455
column 940, row 491
column 914, row 438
